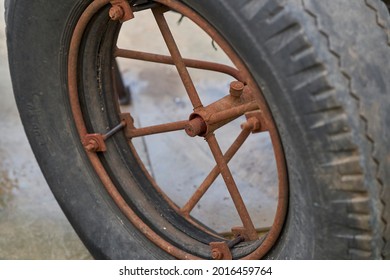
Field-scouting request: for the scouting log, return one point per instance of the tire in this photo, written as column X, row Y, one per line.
column 323, row 70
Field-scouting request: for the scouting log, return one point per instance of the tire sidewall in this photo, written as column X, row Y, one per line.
column 102, row 227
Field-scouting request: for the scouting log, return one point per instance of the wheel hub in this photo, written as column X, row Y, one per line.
column 206, row 120
column 196, row 127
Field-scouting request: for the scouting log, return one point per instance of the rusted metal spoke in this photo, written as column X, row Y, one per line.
column 231, row 186
column 155, row 129
column 187, row 208
column 177, row 58
column 233, row 113
column 191, row 63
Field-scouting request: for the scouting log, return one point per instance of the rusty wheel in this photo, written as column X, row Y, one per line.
column 108, row 134
column 268, row 86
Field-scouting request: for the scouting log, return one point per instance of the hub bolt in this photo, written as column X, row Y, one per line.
column 92, row 146
column 236, row 88
column 216, row 254
column 252, row 124
column 116, row 12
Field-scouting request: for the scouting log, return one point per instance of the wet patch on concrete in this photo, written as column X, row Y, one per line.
column 7, row 186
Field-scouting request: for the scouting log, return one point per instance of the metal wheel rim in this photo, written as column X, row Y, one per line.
column 77, row 112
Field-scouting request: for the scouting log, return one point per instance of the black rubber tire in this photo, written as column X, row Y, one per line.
column 323, row 67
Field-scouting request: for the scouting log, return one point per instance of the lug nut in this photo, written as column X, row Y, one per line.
column 116, row 13
column 252, row 124
column 92, row 146
column 236, row 88
column 94, row 143
column 216, row 254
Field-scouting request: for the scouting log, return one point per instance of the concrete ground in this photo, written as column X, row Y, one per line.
column 32, row 225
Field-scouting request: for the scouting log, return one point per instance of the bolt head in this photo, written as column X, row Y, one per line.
column 116, row 13
column 236, row 88
column 92, row 146
column 216, row 254
column 252, row 124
